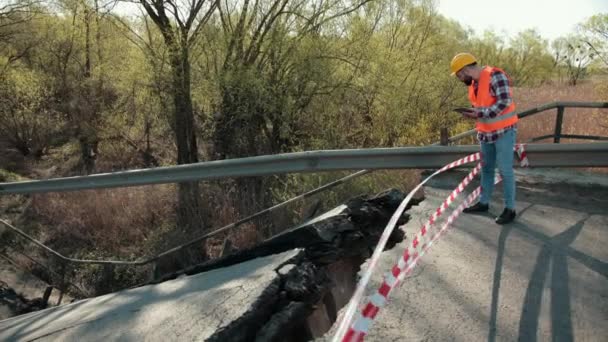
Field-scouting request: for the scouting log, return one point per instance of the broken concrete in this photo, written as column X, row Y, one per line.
column 21, row 292
column 188, row 308
column 542, row 278
column 288, row 288
column 14, row 304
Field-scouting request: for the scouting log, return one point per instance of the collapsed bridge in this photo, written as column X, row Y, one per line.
column 544, row 276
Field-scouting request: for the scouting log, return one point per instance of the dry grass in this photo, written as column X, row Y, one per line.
column 248, row 235
column 581, row 121
column 117, row 221
column 223, row 213
column 584, row 121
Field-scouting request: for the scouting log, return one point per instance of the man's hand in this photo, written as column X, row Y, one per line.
column 467, row 112
column 471, row 114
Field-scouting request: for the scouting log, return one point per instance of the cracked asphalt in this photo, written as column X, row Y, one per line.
column 543, row 278
column 185, row 309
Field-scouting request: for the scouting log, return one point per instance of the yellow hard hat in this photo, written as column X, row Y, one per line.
column 460, row 61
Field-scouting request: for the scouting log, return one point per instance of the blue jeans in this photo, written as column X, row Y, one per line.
column 499, row 153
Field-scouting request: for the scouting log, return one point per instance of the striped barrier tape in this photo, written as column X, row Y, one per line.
column 451, row 198
column 520, row 149
column 404, row 266
column 359, row 291
column 357, row 331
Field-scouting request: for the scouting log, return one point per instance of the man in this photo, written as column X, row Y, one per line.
column 494, row 109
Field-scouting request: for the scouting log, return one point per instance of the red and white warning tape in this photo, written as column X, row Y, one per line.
column 359, row 291
column 405, row 264
column 520, row 149
column 420, row 244
column 468, row 159
column 444, row 206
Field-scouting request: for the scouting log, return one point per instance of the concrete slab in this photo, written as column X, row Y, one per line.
column 26, row 285
column 237, row 297
column 187, row 308
column 545, row 277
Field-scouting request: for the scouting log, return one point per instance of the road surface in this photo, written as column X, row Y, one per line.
column 185, row 309
column 543, row 278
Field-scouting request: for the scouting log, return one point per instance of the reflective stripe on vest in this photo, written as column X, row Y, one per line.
column 484, row 98
column 497, row 118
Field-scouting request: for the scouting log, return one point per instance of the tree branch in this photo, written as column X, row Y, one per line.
column 202, row 22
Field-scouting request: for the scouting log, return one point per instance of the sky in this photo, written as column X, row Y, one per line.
column 551, row 18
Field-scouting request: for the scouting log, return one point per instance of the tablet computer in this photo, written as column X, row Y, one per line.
column 462, row 110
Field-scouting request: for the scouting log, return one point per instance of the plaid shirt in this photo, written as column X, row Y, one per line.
column 499, row 88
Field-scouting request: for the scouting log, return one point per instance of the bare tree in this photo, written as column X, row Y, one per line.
column 574, row 55
column 595, row 35
column 13, row 15
column 16, row 12
column 262, row 38
column 180, row 22
column 273, row 65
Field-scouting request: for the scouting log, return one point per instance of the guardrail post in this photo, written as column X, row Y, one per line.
column 228, row 248
column 152, row 274
column 62, row 281
column 558, row 124
column 444, row 137
column 47, row 295
column 108, row 276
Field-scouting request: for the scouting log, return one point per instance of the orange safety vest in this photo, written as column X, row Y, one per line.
column 483, row 98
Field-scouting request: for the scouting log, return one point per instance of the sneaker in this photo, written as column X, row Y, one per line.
column 507, row 216
column 477, row 208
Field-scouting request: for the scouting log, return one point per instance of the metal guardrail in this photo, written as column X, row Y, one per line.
column 557, row 135
column 543, row 155
column 569, row 136
column 15, row 264
column 151, row 259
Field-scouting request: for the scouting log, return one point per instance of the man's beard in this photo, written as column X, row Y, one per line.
column 468, row 80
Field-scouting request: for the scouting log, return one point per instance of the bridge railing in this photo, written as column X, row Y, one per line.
column 559, row 120
column 365, row 160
